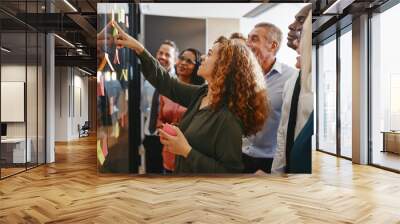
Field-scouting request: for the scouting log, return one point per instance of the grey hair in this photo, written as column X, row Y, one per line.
column 274, row 33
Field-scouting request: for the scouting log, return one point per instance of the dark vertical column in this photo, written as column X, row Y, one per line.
column 37, row 90
column 26, row 87
column 317, row 95
column 1, row 165
column 134, row 94
column 338, row 100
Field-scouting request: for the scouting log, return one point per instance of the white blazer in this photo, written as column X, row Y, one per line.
column 304, row 109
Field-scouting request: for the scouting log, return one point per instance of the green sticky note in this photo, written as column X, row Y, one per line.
column 100, row 155
column 115, row 32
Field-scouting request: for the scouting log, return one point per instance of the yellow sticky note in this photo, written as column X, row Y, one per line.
column 116, row 130
column 100, row 155
column 121, row 16
column 124, row 74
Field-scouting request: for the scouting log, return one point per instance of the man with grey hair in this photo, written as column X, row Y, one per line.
column 265, row 40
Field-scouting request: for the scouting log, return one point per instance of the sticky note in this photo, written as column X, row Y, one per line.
column 98, row 76
column 113, row 76
column 107, row 76
column 102, row 64
column 111, row 105
column 116, row 57
column 169, row 129
column 124, row 74
column 116, row 130
column 100, row 85
column 121, row 16
column 100, row 155
column 109, row 62
column 115, row 32
column 104, row 148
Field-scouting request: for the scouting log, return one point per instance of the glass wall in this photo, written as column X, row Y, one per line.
column 385, row 89
column 22, row 89
column 115, row 125
column 346, row 93
column 327, row 95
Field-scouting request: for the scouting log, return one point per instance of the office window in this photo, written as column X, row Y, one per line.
column 385, row 89
column 22, row 78
column 346, row 93
column 327, row 96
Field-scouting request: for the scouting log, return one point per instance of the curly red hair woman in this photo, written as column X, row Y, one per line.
column 232, row 105
column 238, row 81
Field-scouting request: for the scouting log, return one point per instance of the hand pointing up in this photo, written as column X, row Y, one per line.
column 122, row 39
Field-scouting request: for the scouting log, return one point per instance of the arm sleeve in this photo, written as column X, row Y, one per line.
column 166, row 85
column 228, row 152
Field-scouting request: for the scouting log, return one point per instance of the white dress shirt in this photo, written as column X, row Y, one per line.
column 304, row 109
column 264, row 143
column 145, row 104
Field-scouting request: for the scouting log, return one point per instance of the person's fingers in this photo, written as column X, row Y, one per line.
column 178, row 131
column 104, row 30
column 105, row 42
column 164, row 141
column 105, row 38
column 120, row 30
column 164, row 134
column 119, row 37
column 121, row 43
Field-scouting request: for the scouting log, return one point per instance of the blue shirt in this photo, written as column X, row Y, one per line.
column 264, row 143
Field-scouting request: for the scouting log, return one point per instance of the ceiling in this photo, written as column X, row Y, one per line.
column 198, row 10
column 79, row 27
column 76, row 26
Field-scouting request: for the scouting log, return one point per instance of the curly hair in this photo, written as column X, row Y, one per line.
column 238, row 83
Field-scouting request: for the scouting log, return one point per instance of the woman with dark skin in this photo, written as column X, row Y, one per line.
column 170, row 112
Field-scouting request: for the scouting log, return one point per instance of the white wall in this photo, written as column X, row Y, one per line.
column 33, row 126
column 215, row 27
column 282, row 16
column 16, row 73
column 70, row 83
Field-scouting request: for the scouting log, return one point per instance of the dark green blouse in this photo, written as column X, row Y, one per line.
column 214, row 135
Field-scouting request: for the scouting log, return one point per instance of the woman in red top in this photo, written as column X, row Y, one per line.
column 170, row 112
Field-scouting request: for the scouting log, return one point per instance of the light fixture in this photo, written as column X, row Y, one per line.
column 260, row 9
column 337, row 7
column 84, row 71
column 5, row 50
column 70, row 5
column 65, row 41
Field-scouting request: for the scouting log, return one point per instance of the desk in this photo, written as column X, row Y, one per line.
column 13, row 150
column 391, row 141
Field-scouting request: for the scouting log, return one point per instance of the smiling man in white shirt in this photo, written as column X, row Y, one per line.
column 258, row 151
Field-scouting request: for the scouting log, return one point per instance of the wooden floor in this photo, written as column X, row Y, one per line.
column 387, row 159
column 70, row 191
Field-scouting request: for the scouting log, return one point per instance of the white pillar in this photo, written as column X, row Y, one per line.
column 50, row 99
column 360, row 90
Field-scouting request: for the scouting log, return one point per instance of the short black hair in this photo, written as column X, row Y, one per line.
column 172, row 44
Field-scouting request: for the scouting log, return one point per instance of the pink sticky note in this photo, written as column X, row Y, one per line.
column 169, row 129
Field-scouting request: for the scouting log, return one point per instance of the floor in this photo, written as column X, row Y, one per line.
column 71, row 191
column 387, row 159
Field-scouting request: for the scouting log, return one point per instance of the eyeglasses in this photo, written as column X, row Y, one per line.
column 187, row 60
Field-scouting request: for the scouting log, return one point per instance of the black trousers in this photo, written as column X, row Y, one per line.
column 252, row 164
column 153, row 158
